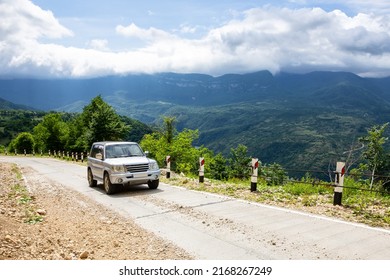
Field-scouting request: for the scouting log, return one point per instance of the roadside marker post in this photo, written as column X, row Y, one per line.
column 339, row 182
column 255, row 168
column 168, row 161
column 201, row 170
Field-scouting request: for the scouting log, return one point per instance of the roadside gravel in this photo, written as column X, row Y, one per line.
column 41, row 220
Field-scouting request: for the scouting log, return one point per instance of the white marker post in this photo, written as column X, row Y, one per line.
column 255, row 168
column 168, row 161
column 201, row 170
column 339, row 183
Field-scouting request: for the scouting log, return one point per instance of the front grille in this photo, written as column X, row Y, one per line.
column 135, row 168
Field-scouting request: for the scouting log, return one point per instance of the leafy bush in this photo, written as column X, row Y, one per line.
column 23, row 142
column 274, row 174
column 239, row 162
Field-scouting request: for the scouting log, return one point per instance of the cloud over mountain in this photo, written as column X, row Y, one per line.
column 269, row 37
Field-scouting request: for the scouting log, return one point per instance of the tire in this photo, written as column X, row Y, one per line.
column 108, row 186
column 153, row 184
column 92, row 183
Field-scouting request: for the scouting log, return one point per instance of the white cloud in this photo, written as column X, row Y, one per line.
column 151, row 34
column 185, row 28
column 277, row 39
column 98, row 44
column 23, row 19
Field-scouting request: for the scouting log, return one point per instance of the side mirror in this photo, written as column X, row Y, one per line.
column 147, row 153
column 99, row 156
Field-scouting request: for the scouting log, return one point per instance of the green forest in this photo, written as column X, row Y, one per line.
column 42, row 132
column 366, row 187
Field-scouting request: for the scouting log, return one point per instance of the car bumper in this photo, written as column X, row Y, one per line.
column 140, row 178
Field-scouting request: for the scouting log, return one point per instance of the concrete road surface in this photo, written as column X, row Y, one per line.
column 213, row 227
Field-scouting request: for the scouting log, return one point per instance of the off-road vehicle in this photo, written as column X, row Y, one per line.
column 119, row 163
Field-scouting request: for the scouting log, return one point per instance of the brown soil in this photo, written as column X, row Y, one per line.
column 41, row 220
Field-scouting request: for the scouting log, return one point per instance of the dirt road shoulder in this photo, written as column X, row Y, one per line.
column 41, row 220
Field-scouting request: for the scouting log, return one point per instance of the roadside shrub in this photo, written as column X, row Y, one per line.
column 23, row 142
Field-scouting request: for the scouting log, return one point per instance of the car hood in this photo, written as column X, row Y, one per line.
column 128, row 160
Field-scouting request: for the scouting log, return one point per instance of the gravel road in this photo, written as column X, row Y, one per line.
column 168, row 223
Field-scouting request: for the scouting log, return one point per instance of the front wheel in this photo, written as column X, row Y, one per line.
column 92, row 183
column 108, row 186
column 153, row 184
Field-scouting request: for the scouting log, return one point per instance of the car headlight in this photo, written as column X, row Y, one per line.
column 119, row 168
column 153, row 165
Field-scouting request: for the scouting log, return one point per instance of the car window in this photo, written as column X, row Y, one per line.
column 96, row 149
column 123, row 150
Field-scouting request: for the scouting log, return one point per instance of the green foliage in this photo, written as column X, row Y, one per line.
column 306, row 188
column 102, row 123
column 51, row 134
column 66, row 131
column 274, row 174
column 23, row 142
column 13, row 122
column 184, row 155
column 239, row 162
column 77, row 140
column 169, row 129
column 376, row 158
column 218, row 168
column 137, row 129
column 365, row 202
column 156, row 147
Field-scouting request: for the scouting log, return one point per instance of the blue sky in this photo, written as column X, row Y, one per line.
column 56, row 38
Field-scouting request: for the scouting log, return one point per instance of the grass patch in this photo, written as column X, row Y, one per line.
column 23, row 199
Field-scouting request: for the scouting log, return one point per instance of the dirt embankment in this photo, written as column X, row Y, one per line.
column 41, row 220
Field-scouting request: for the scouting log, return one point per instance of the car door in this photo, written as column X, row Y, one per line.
column 96, row 161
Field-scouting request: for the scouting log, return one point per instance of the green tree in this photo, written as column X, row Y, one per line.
column 23, row 142
column 77, row 140
column 274, row 173
column 374, row 153
column 184, row 156
column 218, row 167
column 102, row 123
column 183, row 153
column 52, row 133
column 169, row 129
column 156, row 146
column 239, row 162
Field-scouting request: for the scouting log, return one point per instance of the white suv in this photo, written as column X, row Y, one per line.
column 116, row 163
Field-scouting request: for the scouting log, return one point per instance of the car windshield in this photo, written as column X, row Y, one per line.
column 123, row 150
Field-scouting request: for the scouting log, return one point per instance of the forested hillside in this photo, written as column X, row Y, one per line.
column 297, row 120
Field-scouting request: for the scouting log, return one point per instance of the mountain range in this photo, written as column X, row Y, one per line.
column 302, row 121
